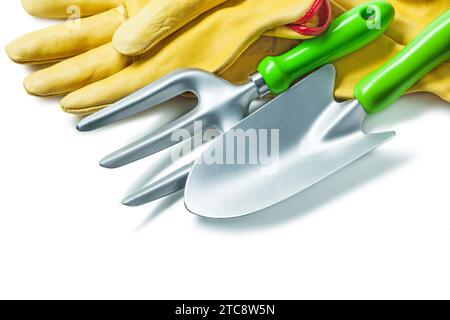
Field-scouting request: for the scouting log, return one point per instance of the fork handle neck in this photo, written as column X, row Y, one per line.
column 261, row 84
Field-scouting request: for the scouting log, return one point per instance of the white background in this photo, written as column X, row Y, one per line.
column 378, row 229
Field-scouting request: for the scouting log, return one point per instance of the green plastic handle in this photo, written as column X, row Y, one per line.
column 348, row 33
column 382, row 88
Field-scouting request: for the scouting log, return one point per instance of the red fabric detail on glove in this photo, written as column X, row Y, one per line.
column 322, row 8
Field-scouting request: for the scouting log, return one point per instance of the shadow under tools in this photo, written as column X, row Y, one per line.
column 161, row 207
column 166, row 162
column 360, row 172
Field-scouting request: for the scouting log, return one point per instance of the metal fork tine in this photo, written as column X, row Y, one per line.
column 155, row 142
column 152, row 95
column 166, row 186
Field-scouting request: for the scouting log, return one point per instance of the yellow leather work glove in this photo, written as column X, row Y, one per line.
column 181, row 36
column 412, row 16
column 152, row 21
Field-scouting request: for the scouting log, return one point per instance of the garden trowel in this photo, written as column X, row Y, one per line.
column 305, row 133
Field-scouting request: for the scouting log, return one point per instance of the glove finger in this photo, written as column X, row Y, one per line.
column 157, row 20
column 66, row 39
column 206, row 43
column 68, row 8
column 91, row 66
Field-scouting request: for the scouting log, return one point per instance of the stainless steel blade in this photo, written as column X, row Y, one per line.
column 317, row 137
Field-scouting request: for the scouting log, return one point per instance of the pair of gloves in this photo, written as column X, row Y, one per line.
column 121, row 46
